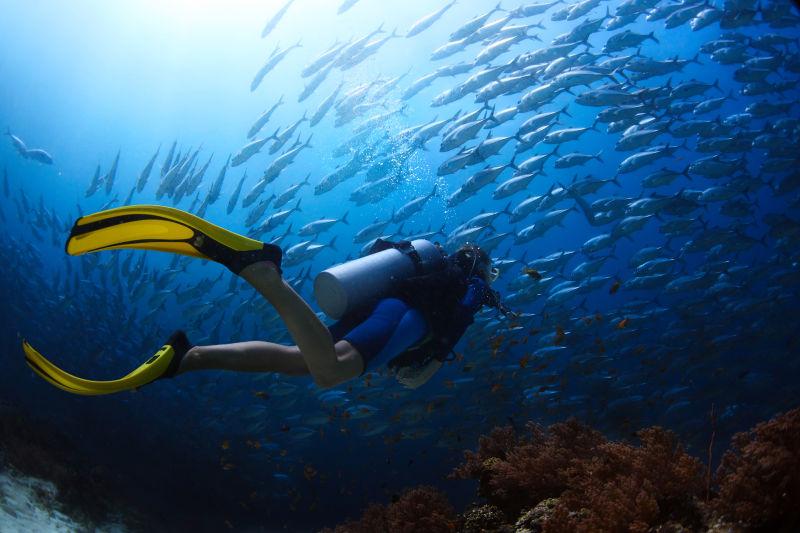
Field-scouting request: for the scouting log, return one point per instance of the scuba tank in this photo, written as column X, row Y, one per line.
column 349, row 286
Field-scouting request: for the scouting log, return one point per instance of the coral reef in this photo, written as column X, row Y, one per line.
column 418, row 509
column 83, row 489
column 568, row 477
column 43, row 455
column 485, row 519
column 759, row 477
column 601, row 485
column 517, row 473
column 625, row 486
column 533, row 520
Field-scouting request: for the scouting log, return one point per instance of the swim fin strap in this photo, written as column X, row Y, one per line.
column 166, row 229
column 147, row 372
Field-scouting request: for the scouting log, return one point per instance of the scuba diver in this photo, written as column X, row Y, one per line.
column 405, row 304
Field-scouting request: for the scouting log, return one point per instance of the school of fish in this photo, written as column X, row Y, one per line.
column 643, row 208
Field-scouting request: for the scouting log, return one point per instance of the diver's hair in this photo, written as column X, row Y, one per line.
column 473, row 260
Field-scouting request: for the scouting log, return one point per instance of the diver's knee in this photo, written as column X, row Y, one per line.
column 293, row 350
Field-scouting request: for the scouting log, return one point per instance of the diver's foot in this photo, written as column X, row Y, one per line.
column 180, row 345
column 260, row 272
column 270, row 253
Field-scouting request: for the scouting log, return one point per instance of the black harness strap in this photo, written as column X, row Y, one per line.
column 404, row 247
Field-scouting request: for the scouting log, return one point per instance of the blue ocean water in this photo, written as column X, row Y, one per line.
column 622, row 350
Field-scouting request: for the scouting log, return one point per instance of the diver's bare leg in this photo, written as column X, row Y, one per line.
column 329, row 365
column 250, row 356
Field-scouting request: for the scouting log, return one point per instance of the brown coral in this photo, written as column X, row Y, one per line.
column 419, row 509
column 624, row 487
column 759, row 477
column 571, row 478
column 516, row 474
column 603, row 486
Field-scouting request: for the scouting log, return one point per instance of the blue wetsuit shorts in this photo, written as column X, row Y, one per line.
column 383, row 332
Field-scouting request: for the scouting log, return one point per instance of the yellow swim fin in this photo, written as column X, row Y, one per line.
column 166, row 229
column 162, row 364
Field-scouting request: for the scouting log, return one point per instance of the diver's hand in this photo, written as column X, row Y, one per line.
column 413, row 377
column 478, row 293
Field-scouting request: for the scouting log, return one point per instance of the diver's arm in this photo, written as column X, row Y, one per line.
column 413, row 378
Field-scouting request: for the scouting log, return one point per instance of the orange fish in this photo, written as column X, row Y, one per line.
column 559, row 335
column 496, row 387
column 523, row 362
column 622, row 323
column 614, row 288
column 261, row 394
column 497, row 342
column 533, row 273
column 225, row 445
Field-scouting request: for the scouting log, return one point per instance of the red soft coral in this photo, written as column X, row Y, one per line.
column 624, row 487
column 603, row 486
column 420, row 509
column 759, row 478
column 519, row 473
column 498, row 443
